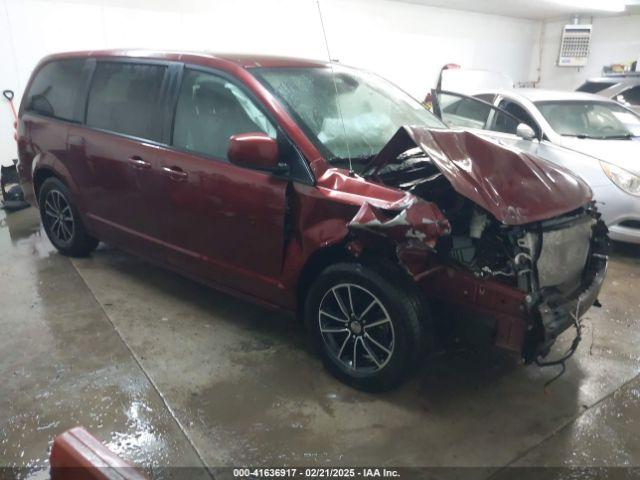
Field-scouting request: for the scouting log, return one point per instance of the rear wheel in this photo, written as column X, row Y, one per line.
column 61, row 220
column 367, row 324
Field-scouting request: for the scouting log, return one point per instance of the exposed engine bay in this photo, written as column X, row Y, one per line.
column 548, row 254
column 553, row 262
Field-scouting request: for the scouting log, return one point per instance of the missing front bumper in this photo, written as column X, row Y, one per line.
column 554, row 315
column 556, row 318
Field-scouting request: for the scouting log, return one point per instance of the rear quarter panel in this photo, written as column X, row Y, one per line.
column 42, row 144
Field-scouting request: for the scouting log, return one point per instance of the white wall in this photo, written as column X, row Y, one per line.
column 408, row 43
column 402, row 41
column 614, row 40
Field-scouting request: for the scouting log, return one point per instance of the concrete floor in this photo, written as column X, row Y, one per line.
column 168, row 372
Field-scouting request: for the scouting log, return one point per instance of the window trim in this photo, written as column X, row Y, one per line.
column 310, row 178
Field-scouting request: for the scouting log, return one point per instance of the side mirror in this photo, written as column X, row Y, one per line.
column 525, row 131
column 255, row 150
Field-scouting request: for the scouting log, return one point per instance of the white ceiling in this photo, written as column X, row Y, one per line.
column 532, row 9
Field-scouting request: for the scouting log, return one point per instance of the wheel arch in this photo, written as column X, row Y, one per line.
column 47, row 165
column 316, row 262
column 39, row 177
column 342, row 252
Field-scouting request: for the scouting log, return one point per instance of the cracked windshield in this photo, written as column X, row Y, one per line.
column 372, row 109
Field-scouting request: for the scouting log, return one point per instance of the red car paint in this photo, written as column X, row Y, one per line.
column 517, row 188
column 251, row 233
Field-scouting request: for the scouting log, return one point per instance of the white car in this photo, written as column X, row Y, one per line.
column 604, row 135
column 624, row 88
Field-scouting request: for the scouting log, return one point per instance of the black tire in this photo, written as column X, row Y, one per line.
column 408, row 330
column 61, row 220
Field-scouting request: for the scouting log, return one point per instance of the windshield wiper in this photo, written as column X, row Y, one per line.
column 583, row 136
column 626, row 136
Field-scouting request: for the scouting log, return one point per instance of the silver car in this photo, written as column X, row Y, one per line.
column 597, row 138
column 624, row 88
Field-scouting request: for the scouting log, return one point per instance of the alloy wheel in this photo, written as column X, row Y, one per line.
column 356, row 328
column 58, row 217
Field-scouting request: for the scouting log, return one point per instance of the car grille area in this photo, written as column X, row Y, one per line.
column 563, row 254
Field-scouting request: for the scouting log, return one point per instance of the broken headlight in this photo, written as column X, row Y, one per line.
column 624, row 180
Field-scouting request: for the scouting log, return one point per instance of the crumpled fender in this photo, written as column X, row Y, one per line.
column 410, row 221
column 341, row 204
column 398, row 215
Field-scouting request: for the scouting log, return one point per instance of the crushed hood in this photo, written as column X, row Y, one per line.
column 515, row 187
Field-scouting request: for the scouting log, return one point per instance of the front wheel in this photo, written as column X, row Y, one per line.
column 368, row 325
column 61, row 220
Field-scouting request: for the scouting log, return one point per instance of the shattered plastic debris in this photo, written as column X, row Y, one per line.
column 412, row 220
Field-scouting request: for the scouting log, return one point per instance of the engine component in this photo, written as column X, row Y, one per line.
column 462, row 249
column 564, row 253
column 478, row 223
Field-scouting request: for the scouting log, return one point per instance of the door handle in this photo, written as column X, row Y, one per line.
column 175, row 173
column 139, row 163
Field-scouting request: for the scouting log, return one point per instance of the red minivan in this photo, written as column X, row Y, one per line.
column 313, row 188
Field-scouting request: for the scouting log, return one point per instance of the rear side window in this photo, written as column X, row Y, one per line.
column 55, row 89
column 468, row 108
column 630, row 96
column 594, row 87
column 126, row 98
column 463, row 111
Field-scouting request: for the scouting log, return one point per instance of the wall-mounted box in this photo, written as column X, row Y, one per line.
column 574, row 46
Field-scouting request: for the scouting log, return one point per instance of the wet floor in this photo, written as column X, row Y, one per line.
column 168, row 372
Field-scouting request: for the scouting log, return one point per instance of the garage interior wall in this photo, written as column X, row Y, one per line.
column 402, row 41
column 613, row 40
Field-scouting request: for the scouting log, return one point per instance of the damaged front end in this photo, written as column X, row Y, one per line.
column 410, row 222
column 507, row 238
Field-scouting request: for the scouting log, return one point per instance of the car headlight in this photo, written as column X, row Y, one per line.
column 624, row 180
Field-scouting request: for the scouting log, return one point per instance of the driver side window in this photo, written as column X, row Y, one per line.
column 210, row 110
column 506, row 124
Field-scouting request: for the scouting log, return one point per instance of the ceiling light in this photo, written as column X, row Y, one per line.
column 586, row 5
